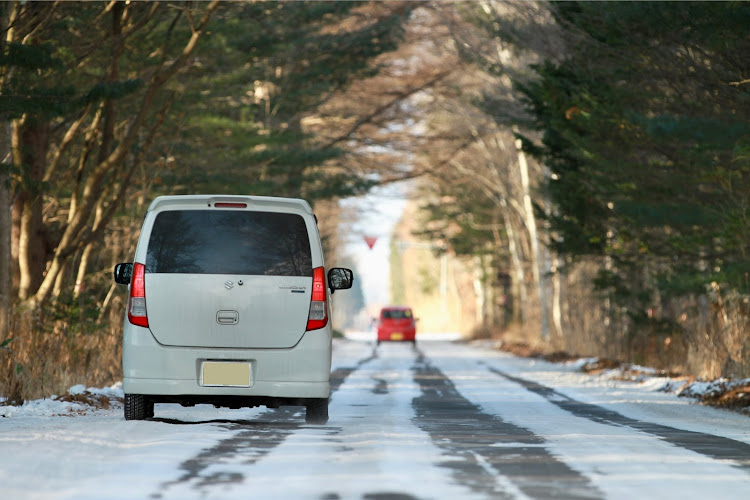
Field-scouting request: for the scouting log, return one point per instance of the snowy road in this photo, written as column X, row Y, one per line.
column 440, row 421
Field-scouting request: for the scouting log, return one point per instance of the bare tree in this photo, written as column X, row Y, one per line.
column 101, row 184
column 483, row 134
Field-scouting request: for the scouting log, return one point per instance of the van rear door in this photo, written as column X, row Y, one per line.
column 228, row 278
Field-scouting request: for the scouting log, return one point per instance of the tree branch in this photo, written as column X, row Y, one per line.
column 73, row 236
column 368, row 118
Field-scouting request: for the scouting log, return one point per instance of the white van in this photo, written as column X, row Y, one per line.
column 229, row 305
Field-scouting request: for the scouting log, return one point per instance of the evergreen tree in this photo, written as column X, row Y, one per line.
column 266, row 67
column 76, row 149
column 645, row 133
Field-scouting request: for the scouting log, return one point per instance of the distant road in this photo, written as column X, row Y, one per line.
column 424, row 336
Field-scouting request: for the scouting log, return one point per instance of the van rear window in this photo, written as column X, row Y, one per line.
column 229, row 242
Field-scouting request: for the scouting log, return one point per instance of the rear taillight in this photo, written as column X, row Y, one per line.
column 318, row 317
column 137, row 304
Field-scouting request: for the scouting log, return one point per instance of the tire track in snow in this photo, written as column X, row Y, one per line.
column 483, row 443
column 716, row 447
column 253, row 440
column 339, row 375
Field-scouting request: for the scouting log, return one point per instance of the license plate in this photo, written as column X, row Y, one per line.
column 226, row 374
column 397, row 336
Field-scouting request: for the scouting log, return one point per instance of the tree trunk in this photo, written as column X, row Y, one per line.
column 87, row 252
column 520, row 294
column 557, row 298
column 536, row 254
column 480, row 317
column 6, row 268
column 6, row 199
column 60, row 282
column 489, row 285
column 77, row 232
column 30, row 144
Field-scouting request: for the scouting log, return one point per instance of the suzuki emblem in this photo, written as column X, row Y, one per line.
column 228, row 285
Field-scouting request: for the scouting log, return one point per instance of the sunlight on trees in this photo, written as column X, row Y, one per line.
column 584, row 164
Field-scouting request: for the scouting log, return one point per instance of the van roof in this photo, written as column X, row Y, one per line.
column 208, row 200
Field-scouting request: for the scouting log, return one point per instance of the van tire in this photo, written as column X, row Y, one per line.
column 149, row 408
column 316, row 411
column 137, row 407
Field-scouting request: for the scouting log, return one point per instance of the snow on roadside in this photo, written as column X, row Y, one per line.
column 79, row 400
column 723, row 393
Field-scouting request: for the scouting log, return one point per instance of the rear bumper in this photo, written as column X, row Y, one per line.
column 397, row 335
column 302, row 371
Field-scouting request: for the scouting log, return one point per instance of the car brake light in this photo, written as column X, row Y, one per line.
column 318, row 317
column 137, row 304
column 223, row 204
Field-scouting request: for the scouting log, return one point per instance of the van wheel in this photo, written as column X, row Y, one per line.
column 137, row 407
column 149, row 409
column 316, row 411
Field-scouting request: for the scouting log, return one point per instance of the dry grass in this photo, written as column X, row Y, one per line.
column 48, row 356
column 98, row 401
column 722, row 393
column 734, row 398
column 525, row 350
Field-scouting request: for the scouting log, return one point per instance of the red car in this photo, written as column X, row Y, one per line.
column 397, row 323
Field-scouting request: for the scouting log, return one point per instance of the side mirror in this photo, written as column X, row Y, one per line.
column 340, row 278
column 123, row 272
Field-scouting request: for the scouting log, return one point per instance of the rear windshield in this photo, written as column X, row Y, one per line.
column 396, row 313
column 229, row 242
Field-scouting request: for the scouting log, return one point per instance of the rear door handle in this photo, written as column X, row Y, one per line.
column 227, row 317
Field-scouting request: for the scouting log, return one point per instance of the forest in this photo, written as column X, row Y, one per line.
column 587, row 164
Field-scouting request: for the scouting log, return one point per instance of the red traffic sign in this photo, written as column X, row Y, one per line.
column 370, row 240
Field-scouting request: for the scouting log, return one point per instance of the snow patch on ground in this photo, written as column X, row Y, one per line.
column 79, row 400
column 723, row 393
